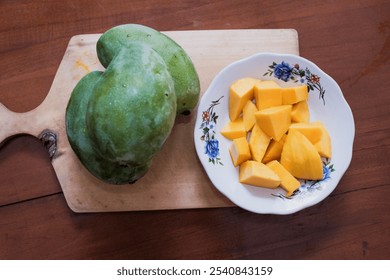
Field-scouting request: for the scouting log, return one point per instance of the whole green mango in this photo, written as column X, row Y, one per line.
column 133, row 107
column 180, row 66
column 118, row 119
column 83, row 146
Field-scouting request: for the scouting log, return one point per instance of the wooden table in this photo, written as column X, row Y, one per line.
column 348, row 39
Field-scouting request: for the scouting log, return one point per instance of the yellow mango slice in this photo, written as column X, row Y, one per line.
column 248, row 115
column 267, row 94
column 234, row 129
column 258, row 174
column 258, row 143
column 312, row 131
column 300, row 112
column 274, row 121
column 239, row 151
column 324, row 145
column 240, row 92
column 300, row 157
column 274, row 150
column 288, row 181
column 294, row 95
column 267, row 84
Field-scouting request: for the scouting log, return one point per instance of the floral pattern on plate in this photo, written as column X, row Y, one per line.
column 285, row 72
column 209, row 122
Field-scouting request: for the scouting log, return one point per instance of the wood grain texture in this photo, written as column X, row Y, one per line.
column 347, row 39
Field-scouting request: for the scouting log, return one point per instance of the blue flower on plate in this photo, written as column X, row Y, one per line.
column 327, row 169
column 209, row 122
column 212, row 148
column 283, row 71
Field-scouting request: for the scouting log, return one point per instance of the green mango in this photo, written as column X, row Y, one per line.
column 180, row 66
column 118, row 119
column 133, row 107
column 78, row 136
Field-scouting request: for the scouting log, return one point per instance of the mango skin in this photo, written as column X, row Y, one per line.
column 78, row 136
column 133, row 108
column 180, row 66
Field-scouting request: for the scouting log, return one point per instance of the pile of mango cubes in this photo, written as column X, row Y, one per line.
column 273, row 141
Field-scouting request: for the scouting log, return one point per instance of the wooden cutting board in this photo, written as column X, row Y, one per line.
column 176, row 179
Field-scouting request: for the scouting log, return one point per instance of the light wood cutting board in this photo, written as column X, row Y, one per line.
column 176, row 179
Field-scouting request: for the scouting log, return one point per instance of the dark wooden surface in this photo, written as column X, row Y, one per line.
column 348, row 39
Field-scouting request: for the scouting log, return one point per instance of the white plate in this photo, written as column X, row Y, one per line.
column 326, row 103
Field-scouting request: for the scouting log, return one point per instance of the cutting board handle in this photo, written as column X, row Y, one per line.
column 32, row 122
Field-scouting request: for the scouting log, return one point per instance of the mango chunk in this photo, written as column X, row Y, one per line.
column 267, row 84
column 258, row 174
column 239, row 151
column 324, row 145
column 273, row 141
column 288, row 181
column 312, row 131
column 240, row 92
column 300, row 157
column 274, row 150
column 234, row 129
column 294, row 95
column 300, row 112
column 258, row 143
column 274, row 121
column 248, row 115
column 267, row 94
